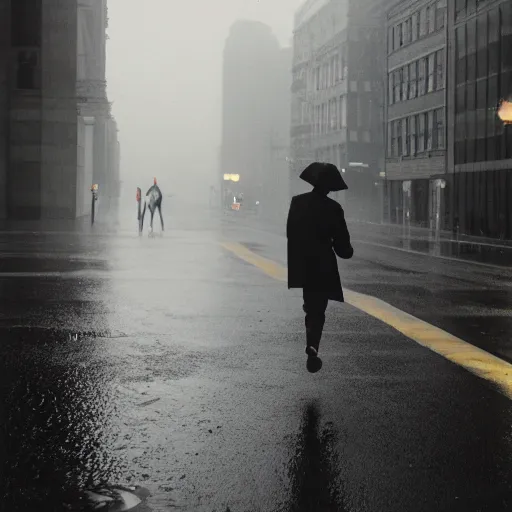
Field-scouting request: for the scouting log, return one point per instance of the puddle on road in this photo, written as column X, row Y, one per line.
column 58, row 417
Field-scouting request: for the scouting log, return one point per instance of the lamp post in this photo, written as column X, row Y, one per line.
column 94, row 192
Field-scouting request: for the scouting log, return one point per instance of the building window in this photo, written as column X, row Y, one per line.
column 408, row 30
column 405, row 83
column 415, row 26
column 460, row 9
column 390, row 39
column 440, row 13
column 429, row 123
column 421, row 76
column 401, row 83
column 401, row 35
column 391, row 90
column 439, row 129
column 494, row 42
column 471, row 49
column 431, row 19
column 481, row 31
column 396, row 86
column 399, row 137
column 363, row 112
column 423, row 22
column 392, row 139
column 336, row 114
column 413, row 79
column 407, row 149
column 343, row 111
column 461, row 50
column 439, row 69
column 431, row 72
column 396, row 43
column 506, row 44
column 421, row 134
column 414, row 134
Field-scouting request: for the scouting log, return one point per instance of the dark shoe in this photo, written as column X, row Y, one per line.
column 311, row 351
column 313, row 364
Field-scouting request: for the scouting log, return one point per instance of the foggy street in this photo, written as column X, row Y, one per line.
column 177, row 363
column 256, row 256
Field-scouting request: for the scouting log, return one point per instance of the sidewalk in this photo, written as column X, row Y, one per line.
column 415, row 232
column 490, row 252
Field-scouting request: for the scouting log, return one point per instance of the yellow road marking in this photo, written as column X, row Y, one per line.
column 460, row 352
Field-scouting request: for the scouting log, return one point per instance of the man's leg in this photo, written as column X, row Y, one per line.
column 315, row 304
column 161, row 218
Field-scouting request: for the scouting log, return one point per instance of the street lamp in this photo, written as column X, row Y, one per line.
column 94, row 191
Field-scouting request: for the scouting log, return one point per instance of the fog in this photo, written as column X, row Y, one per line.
column 164, row 66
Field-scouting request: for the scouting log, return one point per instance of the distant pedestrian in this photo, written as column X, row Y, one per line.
column 153, row 201
column 317, row 231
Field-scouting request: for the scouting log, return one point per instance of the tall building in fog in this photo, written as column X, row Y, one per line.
column 338, row 97
column 416, row 114
column 254, row 90
column 52, row 98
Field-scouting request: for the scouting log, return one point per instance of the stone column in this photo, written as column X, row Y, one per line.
column 59, row 112
column 88, row 162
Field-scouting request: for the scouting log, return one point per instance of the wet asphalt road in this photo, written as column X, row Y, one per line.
column 170, row 363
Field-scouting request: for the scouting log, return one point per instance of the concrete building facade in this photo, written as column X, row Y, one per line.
column 480, row 146
column 43, row 132
column 337, row 97
column 255, row 120
column 415, row 113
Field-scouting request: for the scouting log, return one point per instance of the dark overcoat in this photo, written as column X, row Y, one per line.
column 317, row 232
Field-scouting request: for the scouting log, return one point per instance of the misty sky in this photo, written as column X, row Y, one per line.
column 164, row 65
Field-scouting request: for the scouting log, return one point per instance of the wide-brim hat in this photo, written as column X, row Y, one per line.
column 324, row 175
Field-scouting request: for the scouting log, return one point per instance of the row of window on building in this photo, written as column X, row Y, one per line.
column 422, row 23
column 418, row 78
column 483, row 45
column 417, row 133
column 331, row 116
column 465, row 8
column 332, row 71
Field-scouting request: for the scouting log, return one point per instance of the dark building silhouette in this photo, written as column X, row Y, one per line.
column 416, row 113
column 254, row 68
column 57, row 134
column 480, row 146
column 338, row 97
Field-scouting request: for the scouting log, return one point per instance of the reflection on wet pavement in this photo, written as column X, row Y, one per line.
column 57, row 419
column 173, row 365
column 315, row 484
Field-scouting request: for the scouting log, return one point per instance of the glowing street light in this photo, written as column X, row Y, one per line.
column 232, row 177
column 505, row 112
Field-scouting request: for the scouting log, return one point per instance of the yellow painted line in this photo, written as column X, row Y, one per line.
column 460, row 352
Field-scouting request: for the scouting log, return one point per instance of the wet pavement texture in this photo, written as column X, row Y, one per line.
column 168, row 363
column 468, row 299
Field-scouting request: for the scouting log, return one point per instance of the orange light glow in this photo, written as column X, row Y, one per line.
column 505, row 112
